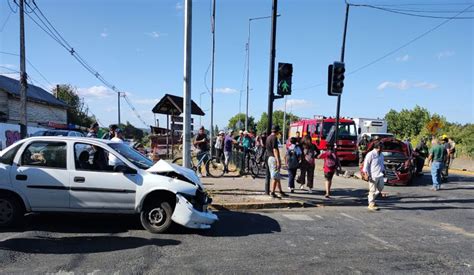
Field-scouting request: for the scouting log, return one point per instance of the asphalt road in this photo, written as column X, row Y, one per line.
column 416, row 231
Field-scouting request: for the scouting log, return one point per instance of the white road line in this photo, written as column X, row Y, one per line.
column 352, row 218
column 319, row 217
column 11, row 237
column 384, row 243
column 298, row 217
column 455, row 229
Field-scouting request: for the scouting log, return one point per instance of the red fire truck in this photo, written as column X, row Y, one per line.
column 320, row 126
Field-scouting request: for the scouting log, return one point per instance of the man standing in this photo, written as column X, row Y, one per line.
column 118, row 136
column 111, row 133
column 93, row 130
column 422, row 151
column 362, row 146
column 375, row 169
column 446, row 164
column 274, row 161
column 201, row 142
column 437, row 158
column 229, row 142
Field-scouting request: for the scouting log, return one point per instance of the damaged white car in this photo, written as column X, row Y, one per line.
column 73, row 174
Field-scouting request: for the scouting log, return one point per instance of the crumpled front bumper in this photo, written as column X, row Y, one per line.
column 186, row 215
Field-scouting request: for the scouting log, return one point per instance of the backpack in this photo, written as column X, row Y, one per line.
column 292, row 159
column 331, row 161
column 309, row 156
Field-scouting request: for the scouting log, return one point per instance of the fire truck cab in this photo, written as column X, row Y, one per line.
column 319, row 128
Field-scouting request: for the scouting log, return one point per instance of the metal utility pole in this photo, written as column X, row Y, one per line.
column 338, row 108
column 271, row 96
column 248, row 68
column 284, row 122
column 200, row 106
column 118, row 102
column 211, row 129
column 23, row 76
column 187, row 83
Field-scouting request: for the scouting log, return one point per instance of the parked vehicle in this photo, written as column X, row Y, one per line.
column 398, row 161
column 374, row 136
column 64, row 133
column 73, row 174
column 320, row 127
column 370, row 125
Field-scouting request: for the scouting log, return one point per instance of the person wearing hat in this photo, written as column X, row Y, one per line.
column 93, row 130
column 374, row 168
column 274, row 161
column 219, row 146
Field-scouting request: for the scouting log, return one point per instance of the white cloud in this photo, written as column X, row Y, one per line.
column 9, row 66
column 104, row 34
column 295, row 104
column 179, row 6
column 98, row 92
column 445, row 54
column 226, row 91
column 153, row 34
column 404, row 58
column 405, row 85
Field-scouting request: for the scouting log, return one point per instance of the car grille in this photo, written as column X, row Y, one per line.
column 200, row 200
column 390, row 174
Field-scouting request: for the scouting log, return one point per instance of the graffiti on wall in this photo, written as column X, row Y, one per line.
column 11, row 137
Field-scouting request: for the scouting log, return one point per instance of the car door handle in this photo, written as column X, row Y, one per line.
column 79, row 179
column 21, row 177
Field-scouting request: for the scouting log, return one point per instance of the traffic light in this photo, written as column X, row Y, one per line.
column 285, row 72
column 336, row 78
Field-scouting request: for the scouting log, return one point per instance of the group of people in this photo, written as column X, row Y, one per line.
column 300, row 155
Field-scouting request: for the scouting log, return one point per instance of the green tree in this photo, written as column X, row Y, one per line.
column 277, row 119
column 77, row 112
column 407, row 123
column 131, row 132
column 237, row 122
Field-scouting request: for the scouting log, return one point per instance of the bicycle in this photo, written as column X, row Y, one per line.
column 257, row 165
column 214, row 166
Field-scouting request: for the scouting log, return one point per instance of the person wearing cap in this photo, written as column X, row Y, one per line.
column 274, row 161
column 111, row 133
column 93, row 130
column 374, row 168
column 219, row 146
column 201, row 143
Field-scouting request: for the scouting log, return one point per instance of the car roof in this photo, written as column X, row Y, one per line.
column 68, row 138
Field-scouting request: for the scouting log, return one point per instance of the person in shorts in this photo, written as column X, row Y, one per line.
column 331, row 164
column 274, row 161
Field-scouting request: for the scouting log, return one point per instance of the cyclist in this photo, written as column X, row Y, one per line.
column 201, row 142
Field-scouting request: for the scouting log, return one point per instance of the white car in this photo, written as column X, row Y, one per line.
column 73, row 174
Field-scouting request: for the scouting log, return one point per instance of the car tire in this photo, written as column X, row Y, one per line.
column 11, row 212
column 156, row 217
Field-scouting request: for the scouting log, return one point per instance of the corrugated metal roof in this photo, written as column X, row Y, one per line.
column 173, row 105
column 12, row 86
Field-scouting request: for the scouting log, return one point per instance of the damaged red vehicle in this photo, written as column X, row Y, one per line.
column 398, row 161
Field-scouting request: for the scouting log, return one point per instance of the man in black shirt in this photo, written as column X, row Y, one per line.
column 274, row 160
column 201, row 142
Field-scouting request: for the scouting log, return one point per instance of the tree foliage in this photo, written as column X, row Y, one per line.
column 131, row 132
column 77, row 112
column 236, row 126
column 277, row 119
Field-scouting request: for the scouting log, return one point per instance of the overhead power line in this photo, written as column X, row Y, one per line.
column 410, row 14
column 43, row 23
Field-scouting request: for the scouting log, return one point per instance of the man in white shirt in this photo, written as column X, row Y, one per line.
column 374, row 168
column 118, row 137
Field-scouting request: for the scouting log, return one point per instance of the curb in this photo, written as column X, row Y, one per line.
column 259, row 205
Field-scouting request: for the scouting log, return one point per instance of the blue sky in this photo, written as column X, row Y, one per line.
column 138, row 46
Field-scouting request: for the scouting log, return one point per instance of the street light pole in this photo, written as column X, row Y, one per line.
column 200, row 106
column 284, row 122
column 211, row 130
column 23, row 76
column 248, row 68
column 187, row 83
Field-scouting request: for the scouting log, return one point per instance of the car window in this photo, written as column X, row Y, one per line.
column 9, row 155
column 88, row 157
column 45, row 154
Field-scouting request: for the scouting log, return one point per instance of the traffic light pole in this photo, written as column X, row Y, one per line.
column 338, row 108
column 271, row 96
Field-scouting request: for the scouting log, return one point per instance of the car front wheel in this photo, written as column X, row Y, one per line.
column 156, row 217
column 10, row 211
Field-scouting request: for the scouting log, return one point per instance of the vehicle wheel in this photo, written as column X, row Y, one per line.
column 156, row 217
column 11, row 212
column 215, row 168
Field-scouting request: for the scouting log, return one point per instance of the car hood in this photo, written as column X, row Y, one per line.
column 163, row 167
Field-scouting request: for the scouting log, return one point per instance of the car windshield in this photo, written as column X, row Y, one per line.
column 394, row 154
column 346, row 130
column 133, row 156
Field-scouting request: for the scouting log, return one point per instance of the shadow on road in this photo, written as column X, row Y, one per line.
column 235, row 224
column 75, row 245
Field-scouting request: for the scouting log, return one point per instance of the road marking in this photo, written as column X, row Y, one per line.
column 11, row 237
column 385, row 243
column 352, row 218
column 319, row 217
column 298, row 217
column 455, row 229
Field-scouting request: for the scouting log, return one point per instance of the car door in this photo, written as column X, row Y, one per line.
column 41, row 175
column 95, row 185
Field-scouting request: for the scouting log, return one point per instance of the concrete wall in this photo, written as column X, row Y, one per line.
column 36, row 112
column 3, row 102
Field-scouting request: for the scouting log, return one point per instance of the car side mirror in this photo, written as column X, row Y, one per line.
column 125, row 169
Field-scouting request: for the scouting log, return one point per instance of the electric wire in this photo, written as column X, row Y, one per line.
column 407, row 13
column 6, row 21
column 11, row 8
